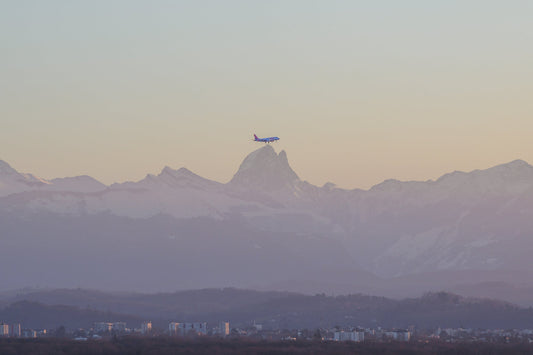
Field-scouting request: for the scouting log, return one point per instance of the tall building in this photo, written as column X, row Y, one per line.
column 4, row 330
column 199, row 328
column 223, row 328
column 107, row 327
column 102, row 327
column 174, row 328
column 146, row 327
column 349, row 335
column 119, row 327
column 29, row 333
column 16, row 330
column 400, row 335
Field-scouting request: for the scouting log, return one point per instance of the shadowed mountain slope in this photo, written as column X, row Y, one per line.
column 268, row 228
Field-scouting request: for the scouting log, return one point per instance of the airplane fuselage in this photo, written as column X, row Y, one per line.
column 266, row 140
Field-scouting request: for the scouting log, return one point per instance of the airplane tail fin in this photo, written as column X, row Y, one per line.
column 255, row 137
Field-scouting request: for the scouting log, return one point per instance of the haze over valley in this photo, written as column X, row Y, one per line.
column 268, row 229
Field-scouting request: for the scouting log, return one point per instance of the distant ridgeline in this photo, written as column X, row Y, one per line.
column 79, row 308
column 468, row 233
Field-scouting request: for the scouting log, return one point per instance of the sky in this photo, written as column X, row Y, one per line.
column 358, row 91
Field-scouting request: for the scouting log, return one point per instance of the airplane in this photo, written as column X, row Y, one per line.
column 265, row 140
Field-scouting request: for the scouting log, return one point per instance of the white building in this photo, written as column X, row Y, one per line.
column 200, row 328
column 223, row 328
column 107, row 327
column 146, row 327
column 16, row 330
column 349, row 336
column 258, row 327
column 4, row 330
column 174, row 328
column 29, row 333
column 119, row 327
column 103, row 327
column 399, row 335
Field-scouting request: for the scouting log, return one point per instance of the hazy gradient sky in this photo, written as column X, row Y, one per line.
column 358, row 91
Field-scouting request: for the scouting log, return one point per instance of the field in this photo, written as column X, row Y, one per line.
column 165, row 345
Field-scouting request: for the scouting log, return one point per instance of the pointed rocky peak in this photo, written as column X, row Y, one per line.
column 259, row 157
column 266, row 170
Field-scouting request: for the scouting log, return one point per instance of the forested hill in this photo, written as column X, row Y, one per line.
column 40, row 316
column 80, row 308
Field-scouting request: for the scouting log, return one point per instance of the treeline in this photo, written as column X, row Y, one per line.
column 166, row 345
column 275, row 310
column 39, row 316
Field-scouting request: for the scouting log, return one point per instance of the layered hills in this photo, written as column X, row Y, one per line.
column 274, row 310
column 269, row 229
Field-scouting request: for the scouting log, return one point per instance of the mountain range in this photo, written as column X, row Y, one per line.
column 467, row 232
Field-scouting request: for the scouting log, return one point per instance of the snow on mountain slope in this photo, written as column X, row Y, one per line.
column 495, row 233
column 506, row 179
column 509, row 179
column 475, row 220
column 169, row 178
column 179, row 202
column 11, row 181
column 132, row 203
